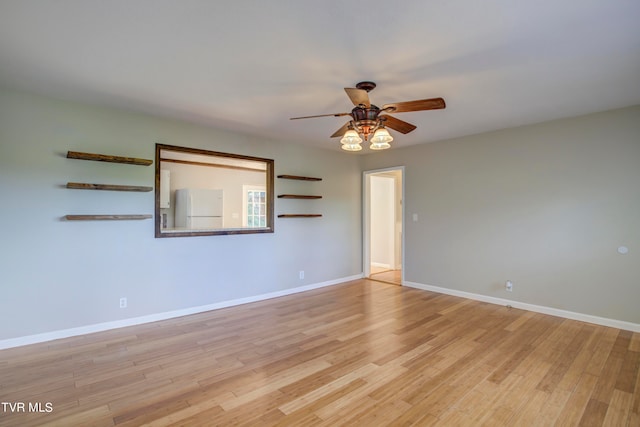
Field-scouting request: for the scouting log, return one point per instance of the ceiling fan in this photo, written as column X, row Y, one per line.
column 367, row 119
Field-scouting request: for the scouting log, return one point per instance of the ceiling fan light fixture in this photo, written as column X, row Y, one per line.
column 381, row 139
column 379, row 145
column 351, row 137
column 352, row 147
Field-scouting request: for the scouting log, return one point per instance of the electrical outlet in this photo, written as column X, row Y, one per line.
column 301, row 274
column 123, row 302
column 509, row 286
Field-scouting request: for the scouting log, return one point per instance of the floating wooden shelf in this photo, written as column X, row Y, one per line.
column 107, row 158
column 108, row 187
column 104, row 217
column 297, row 196
column 299, row 178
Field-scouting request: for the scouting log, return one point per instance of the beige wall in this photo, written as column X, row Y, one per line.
column 545, row 206
column 382, row 221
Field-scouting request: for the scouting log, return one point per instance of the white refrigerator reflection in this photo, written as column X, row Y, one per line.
column 198, row 208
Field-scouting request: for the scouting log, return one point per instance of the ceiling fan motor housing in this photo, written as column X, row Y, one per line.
column 365, row 120
column 361, row 113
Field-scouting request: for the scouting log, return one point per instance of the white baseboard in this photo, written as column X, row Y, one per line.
column 99, row 327
column 381, row 265
column 613, row 323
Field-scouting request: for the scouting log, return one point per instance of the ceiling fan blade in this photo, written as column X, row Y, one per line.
column 397, row 124
column 419, row 105
column 321, row 115
column 358, row 96
column 341, row 131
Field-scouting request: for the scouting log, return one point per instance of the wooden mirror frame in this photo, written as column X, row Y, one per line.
column 269, row 178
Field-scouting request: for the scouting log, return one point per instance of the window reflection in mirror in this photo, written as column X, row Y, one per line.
column 200, row 193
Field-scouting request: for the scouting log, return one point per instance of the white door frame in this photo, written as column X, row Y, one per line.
column 366, row 218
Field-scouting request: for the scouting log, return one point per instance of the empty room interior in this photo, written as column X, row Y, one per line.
column 319, row 213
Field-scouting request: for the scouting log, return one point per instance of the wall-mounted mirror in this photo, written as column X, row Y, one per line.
column 204, row 193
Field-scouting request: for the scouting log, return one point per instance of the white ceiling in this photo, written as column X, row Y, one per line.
column 250, row 65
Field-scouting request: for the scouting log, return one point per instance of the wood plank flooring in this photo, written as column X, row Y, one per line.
column 362, row 353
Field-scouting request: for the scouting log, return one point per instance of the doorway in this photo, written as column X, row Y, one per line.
column 383, row 225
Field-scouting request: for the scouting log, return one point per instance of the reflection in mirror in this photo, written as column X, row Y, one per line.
column 201, row 193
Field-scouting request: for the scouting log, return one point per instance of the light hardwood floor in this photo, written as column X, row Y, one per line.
column 393, row 277
column 359, row 353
